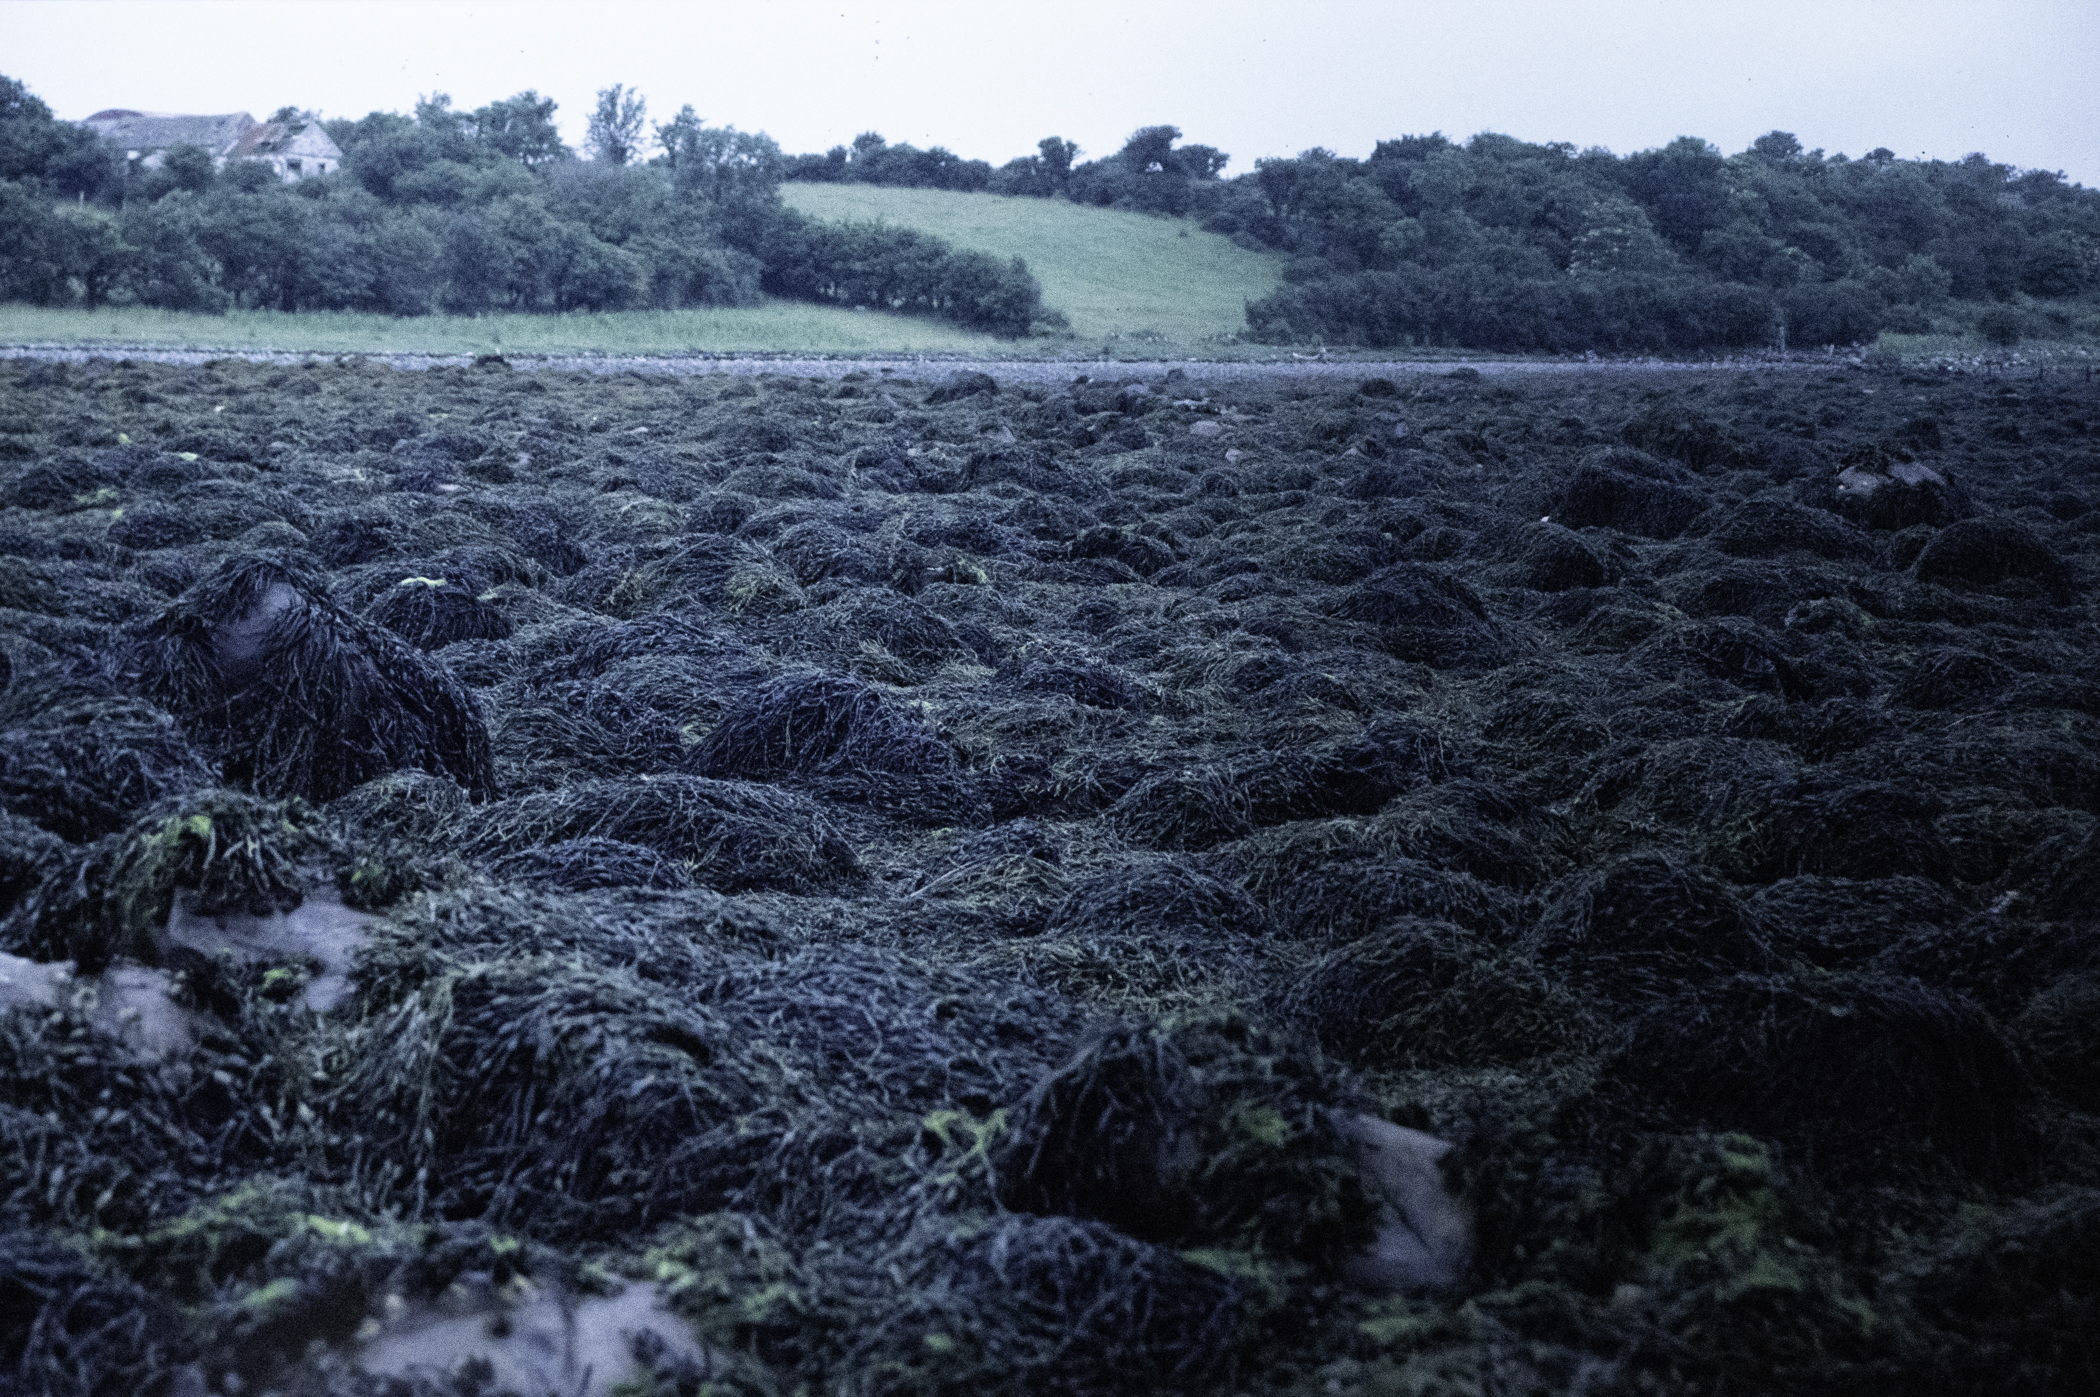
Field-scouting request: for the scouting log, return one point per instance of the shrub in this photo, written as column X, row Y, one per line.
column 2001, row 325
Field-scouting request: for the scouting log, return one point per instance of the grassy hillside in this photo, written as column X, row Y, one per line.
column 1116, row 276
column 777, row 326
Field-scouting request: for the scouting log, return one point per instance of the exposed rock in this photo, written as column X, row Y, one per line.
column 962, row 385
column 1876, row 492
column 1425, row 1238
column 130, row 1003
column 320, row 931
column 537, row 1342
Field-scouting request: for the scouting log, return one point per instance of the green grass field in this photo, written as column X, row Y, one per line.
column 1119, row 277
column 775, row 327
column 1133, row 286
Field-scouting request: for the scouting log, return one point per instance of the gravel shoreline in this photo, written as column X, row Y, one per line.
column 1037, row 371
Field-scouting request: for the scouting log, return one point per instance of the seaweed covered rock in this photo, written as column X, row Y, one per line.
column 582, row 728
column 729, row 835
column 1056, row 1304
column 1948, row 677
column 1649, row 923
column 1878, row 490
column 72, row 1325
column 1998, row 957
column 1156, row 895
column 878, row 628
column 1201, row 805
column 554, row 1094
column 81, row 765
column 296, row 696
column 433, row 612
column 964, row 383
column 1771, row 528
column 1981, row 552
column 617, row 1078
column 1142, row 553
column 847, row 739
column 1826, row 824
column 408, row 804
column 2017, row 1303
column 1155, row 938
column 1733, row 649
column 1843, row 923
column 27, row 853
column 224, row 851
column 579, row 865
column 2055, row 1031
column 708, row 573
column 1421, row 993
column 1866, row 1075
column 1423, row 613
column 1207, row 1131
column 1632, row 492
column 1551, row 558
column 1316, row 882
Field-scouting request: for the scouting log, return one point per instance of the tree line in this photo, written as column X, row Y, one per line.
column 462, row 212
column 1492, row 243
column 1501, row 244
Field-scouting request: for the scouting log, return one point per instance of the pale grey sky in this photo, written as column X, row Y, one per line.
column 2014, row 79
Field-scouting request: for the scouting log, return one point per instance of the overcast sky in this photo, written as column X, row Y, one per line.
column 988, row 79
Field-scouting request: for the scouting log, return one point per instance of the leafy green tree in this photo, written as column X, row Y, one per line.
column 1057, row 155
column 70, row 160
column 1684, row 188
column 1150, row 150
column 2064, row 262
column 171, row 266
column 189, row 167
column 1617, row 239
column 92, row 251
column 728, row 168
column 1777, row 145
column 615, row 131
column 1201, row 162
column 521, row 128
column 675, row 133
column 449, row 134
column 259, row 238
column 32, row 250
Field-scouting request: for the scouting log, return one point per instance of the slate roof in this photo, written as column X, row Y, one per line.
column 157, row 131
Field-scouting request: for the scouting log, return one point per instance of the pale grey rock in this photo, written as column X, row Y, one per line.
column 1425, row 1238
column 132, row 1005
column 29, row 984
column 320, row 929
column 128, row 1002
column 537, row 1342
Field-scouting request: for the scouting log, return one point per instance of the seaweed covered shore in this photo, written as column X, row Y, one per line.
column 862, row 886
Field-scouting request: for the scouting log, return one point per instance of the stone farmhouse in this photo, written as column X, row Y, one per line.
column 296, row 150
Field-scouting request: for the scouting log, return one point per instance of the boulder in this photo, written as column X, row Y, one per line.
column 962, row 385
column 1875, row 492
